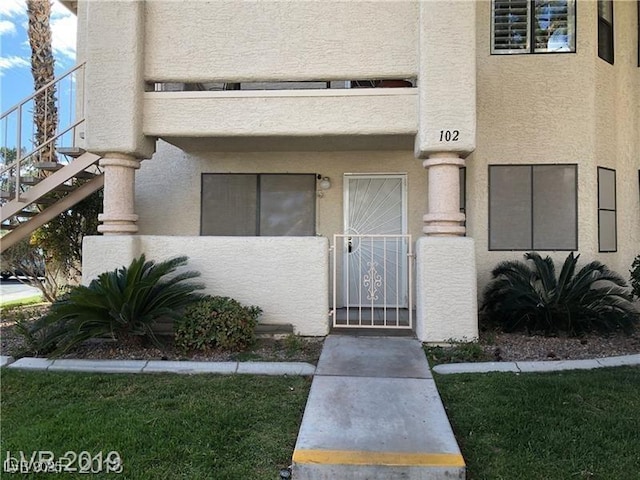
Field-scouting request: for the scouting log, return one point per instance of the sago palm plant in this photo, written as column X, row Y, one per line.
column 529, row 296
column 123, row 304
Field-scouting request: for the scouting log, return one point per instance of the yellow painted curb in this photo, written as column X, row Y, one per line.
column 354, row 457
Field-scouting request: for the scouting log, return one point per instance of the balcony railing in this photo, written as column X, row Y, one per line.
column 20, row 147
column 283, row 85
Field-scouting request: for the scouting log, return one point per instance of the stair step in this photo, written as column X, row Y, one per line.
column 73, row 152
column 85, row 175
column 64, row 188
column 26, row 214
column 46, row 201
column 48, row 166
column 30, row 180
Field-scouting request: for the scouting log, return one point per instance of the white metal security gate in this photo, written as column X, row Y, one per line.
column 372, row 256
column 376, row 273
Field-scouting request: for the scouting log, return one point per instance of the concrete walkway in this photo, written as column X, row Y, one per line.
column 374, row 412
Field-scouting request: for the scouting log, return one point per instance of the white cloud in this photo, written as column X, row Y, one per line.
column 63, row 31
column 7, row 27
column 12, row 8
column 7, row 63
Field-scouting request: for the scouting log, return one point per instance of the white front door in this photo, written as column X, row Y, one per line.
column 375, row 273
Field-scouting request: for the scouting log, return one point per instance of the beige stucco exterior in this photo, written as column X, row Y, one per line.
column 564, row 108
column 287, row 277
column 247, row 41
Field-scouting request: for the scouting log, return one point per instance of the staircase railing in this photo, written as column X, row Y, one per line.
column 18, row 130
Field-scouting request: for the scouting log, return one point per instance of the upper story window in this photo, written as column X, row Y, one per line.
column 605, row 30
column 533, row 26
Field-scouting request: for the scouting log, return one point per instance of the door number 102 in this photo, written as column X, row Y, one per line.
column 449, row 135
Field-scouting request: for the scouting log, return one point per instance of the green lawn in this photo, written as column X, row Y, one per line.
column 21, row 302
column 163, row 426
column 569, row 425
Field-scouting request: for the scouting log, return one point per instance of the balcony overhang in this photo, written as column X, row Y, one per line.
column 308, row 118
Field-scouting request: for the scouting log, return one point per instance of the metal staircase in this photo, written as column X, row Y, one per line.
column 33, row 188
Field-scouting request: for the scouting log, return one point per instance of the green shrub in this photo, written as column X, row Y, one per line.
column 528, row 296
column 635, row 276
column 123, row 304
column 216, row 322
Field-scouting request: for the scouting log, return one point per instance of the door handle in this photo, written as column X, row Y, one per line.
column 349, row 245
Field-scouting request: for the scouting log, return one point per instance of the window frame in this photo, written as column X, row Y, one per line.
column 606, row 30
column 258, row 201
column 530, row 48
column 614, row 210
column 532, row 206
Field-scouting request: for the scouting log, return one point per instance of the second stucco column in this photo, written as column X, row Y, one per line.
column 444, row 217
column 118, row 217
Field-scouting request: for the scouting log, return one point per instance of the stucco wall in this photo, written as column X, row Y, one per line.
column 389, row 111
column 287, row 277
column 281, row 40
column 114, row 77
column 617, row 131
column 446, row 307
column 447, row 78
column 560, row 108
column 172, row 207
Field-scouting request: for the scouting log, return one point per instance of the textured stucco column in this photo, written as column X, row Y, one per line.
column 446, row 302
column 446, row 285
column 118, row 217
column 114, row 80
column 444, row 217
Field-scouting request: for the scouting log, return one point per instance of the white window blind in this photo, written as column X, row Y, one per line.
column 533, row 26
column 510, row 25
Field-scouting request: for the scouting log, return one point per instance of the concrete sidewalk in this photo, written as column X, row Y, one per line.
column 374, row 412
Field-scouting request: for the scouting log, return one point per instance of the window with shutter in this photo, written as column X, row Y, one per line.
column 533, row 26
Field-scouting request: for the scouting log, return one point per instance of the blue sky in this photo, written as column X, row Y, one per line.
column 16, row 81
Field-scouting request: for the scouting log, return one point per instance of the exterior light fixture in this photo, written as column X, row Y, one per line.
column 325, row 183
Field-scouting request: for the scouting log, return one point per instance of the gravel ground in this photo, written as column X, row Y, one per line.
column 498, row 346
column 514, row 347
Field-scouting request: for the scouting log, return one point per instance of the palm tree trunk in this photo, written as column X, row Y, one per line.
column 45, row 115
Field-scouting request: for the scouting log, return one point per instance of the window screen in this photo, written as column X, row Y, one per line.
column 607, row 229
column 229, row 205
column 533, row 26
column 287, row 205
column 258, row 204
column 533, row 207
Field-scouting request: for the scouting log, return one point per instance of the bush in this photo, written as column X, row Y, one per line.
column 635, row 276
column 216, row 322
column 123, row 304
column 529, row 297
